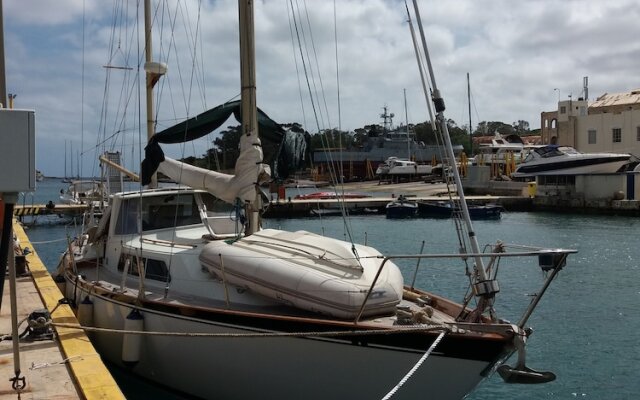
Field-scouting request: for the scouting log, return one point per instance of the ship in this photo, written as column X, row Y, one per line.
column 361, row 163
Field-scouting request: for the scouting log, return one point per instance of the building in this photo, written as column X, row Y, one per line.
column 609, row 124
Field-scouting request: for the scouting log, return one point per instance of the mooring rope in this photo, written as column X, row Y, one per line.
column 415, row 367
column 418, row 328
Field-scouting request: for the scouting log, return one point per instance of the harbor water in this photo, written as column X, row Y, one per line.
column 585, row 328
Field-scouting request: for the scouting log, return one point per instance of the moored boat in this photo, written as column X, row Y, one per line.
column 565, row 160
column 186, row 289
column 401, row 208
column 82, row 192
column 330, row 195
column 394, row 167
column 445, row 209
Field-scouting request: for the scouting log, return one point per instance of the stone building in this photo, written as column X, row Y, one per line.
column 611, row 123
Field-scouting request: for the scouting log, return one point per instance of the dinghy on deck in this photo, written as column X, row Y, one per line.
column 307, row 271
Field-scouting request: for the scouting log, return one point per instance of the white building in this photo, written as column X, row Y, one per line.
column 609, row 124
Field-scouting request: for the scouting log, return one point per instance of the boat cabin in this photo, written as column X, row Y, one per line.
column 172, row 208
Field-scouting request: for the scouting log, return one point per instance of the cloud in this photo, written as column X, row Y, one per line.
column 516, row 54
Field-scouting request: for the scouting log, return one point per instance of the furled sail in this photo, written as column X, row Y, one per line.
column 249, row 170
column 291, row 145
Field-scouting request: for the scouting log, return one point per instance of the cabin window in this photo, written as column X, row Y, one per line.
column 127, row 222
column 592, row 136
column 215, row 206
column 617, row 135
column 153, row 269
column 158, row 212
column 167, row 211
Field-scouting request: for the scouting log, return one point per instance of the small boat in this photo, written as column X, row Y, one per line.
column 330, row 195
column 499, row 150
column 565, row 160
column 401, row 208
column 444, row 209
column 395, row 166
column 82, row 192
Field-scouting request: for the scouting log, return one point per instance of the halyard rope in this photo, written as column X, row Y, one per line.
column 415, row 367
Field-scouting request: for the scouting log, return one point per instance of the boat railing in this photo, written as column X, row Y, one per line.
column 549, row 260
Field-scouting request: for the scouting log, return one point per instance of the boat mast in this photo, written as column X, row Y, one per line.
column 470, row 129
column 71, row 152
column 153, row 72
column 406, row 121
column 147, row 59
column 149, row 85
column 439, row 106
column 248, row 98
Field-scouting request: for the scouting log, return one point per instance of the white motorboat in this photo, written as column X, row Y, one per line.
column 184, row 288
column 565, row 160
column 501, row 150
column 87, row 192
column 395, row 166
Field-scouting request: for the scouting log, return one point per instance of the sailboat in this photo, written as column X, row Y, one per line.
column 183, row 287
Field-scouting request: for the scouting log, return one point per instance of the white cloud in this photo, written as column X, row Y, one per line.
column 515, row 52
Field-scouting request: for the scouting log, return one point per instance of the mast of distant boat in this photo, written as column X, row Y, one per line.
column 406, row 121
column 65, row 160
column 469, row 102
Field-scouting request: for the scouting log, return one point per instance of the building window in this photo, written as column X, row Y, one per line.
column 617, row 135
column 592, row 136
column 638, row 133
column 563, row 110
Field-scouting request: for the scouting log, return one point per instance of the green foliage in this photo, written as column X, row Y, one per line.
column 226, row 149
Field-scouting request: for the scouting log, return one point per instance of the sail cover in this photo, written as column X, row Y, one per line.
column 291, row 144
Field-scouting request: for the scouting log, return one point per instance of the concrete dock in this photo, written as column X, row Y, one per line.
column 65, row 367
column 381, row 194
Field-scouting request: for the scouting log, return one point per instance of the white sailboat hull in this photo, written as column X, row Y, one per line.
column 283, row 368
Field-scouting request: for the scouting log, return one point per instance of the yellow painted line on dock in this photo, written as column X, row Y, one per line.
column 92, row 377
column 37, row 209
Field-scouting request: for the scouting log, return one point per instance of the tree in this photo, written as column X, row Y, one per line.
column 228, row 146
column 521, row 127
column 332, row 139
column 490, row 128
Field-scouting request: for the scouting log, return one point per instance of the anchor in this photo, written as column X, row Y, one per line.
column 521, row 373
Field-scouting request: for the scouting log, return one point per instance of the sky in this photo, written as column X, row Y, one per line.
column 521, row 56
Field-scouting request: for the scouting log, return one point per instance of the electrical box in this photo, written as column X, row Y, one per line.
column 17, row 151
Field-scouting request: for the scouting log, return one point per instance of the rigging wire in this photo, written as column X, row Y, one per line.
column 295, row 60
column 438, row 133
column 310, row 79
